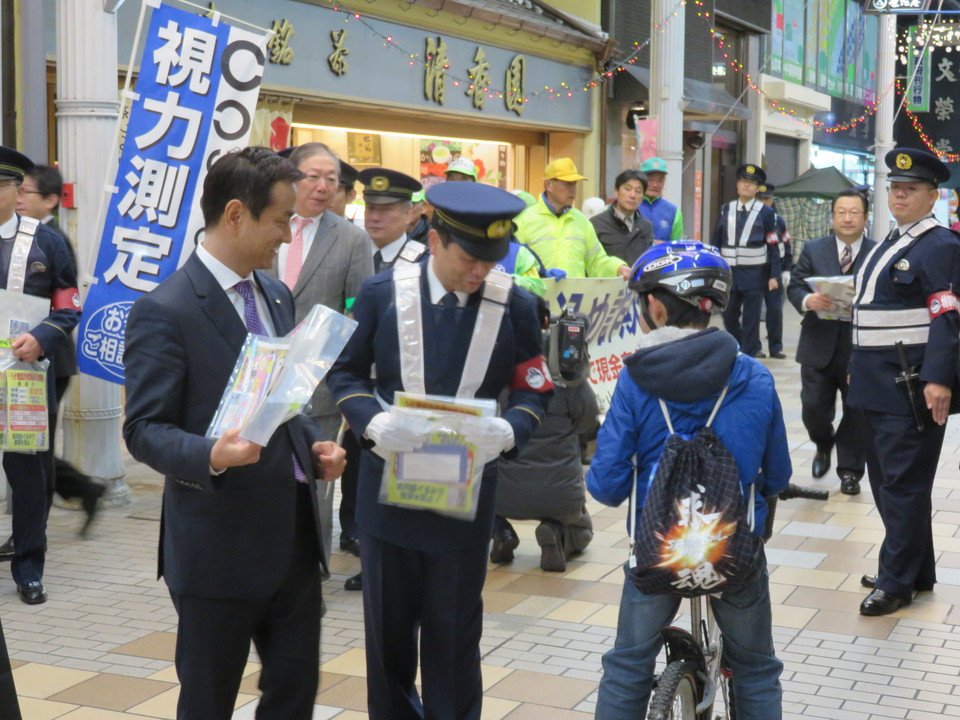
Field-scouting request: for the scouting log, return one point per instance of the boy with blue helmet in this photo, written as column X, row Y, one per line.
column 687, row 364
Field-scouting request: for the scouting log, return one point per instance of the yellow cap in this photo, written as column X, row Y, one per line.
column 562, row 169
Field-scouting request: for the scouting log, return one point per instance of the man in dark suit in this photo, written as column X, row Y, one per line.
column 423, row 571
column 824, row 348
column 325, row 262
column 240, row 545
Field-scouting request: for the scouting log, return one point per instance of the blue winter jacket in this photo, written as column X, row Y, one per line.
column 688, row 370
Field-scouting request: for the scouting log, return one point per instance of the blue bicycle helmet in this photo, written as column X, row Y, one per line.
column 692, row 271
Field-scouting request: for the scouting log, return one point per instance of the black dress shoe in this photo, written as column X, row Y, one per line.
column 350, row 544
column 90, row 499
column 821, row 463
column 849, row 484
column 879, row 602
column 505, row 541
column 32, row 593
column 6, row 550
column 760, row 355
column 778, row 355
column 354, row 583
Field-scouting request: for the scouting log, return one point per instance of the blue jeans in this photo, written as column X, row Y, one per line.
column 746, row 623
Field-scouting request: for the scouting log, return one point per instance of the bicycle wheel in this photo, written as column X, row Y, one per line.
column 677, row 693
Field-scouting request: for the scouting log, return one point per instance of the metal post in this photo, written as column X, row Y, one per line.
column 87, row 112
column 886, row 67
column 666, row 89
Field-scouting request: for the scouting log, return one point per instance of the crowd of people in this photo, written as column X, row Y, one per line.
column 447, row 288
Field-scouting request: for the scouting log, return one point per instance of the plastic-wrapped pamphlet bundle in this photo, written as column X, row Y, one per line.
column 444, row 475
column 274, row 378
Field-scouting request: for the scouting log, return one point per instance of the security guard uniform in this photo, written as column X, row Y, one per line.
column 905, row 292
column 746, row 236
column 49, row 275
column 423, row 571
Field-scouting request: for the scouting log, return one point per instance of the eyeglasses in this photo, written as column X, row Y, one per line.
column 9, row 183
column 848, row 213
column 29, row 192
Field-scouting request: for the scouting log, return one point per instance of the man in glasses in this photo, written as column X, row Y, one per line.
column 824, row 348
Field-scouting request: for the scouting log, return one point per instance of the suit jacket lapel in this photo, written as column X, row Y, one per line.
column 324, row 239
column 215, row 303
column 276, row 302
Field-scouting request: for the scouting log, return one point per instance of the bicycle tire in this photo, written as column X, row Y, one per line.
column 677, row 693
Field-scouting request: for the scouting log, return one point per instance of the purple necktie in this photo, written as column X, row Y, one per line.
column 846, row 259
column 251, row 319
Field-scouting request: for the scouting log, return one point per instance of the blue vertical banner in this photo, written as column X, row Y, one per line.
column 195, row 99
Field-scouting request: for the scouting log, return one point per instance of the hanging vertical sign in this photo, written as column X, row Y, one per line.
column 195, row 99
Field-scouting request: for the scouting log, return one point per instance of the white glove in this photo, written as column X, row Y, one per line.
column 392, row 433
column 492, row 435
column 785, row 278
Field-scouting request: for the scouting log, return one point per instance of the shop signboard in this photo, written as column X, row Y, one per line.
column 195, row 98
column 880, row 7
column 328, row 53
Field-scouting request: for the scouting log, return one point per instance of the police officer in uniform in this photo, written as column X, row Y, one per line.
column 773, row 299
column 906, row 292
column 423, row 571
column 33, row 260
column 390, row 196
column 746, row 234
column 388, row 200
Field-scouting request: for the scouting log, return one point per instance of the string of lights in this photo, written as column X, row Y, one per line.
column 924, row 138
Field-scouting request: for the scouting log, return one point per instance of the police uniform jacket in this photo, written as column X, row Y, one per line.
column 756, row 260
column 50, row 274
column 517, row 350
column 907, row 273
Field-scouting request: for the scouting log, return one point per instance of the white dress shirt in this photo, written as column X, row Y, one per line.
column 227, row 278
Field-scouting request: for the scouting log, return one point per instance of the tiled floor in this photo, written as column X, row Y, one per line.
column 102, row 647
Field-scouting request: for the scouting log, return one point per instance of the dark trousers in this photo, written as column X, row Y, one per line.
column 749, row 302
column 773, row 300
column 214, row 635
column 27, row 475
column 68, row 482
column 436, row 595
column 9, row 704
column 818, row 398
column 348, row 485
column 902, row 464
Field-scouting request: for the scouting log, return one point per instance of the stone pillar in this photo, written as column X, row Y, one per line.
column 887, row 100
column 87, row 111
column 666, row 89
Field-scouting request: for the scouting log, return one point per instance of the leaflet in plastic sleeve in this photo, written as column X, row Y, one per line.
column 274, row 378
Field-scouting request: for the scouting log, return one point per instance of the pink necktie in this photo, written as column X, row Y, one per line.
column 295, row 253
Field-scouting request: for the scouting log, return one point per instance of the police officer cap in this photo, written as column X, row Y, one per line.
column 766, row 190
column 13, row 164
column 478, row 217
column 348, row 175
column 749, row 171
column 382, row 186
column 909, row 165
column 287, row 152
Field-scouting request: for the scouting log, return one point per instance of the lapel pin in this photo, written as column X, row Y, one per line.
column 277, row 301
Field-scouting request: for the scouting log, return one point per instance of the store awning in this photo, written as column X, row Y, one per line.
column 700, row 97
column 824, row 183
